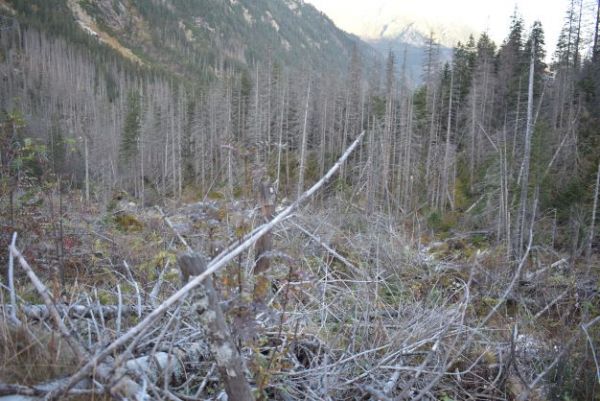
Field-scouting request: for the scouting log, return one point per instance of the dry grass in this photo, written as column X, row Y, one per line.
column 30, row 355
column 378, row 317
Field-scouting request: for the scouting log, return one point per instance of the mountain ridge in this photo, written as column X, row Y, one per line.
column 221, row 34
column 201, row 38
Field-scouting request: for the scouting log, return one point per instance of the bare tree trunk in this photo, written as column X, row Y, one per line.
column 588, row 253
column 280, row 140
column 446, row 173
column 206, row 303
column 430, row 150
column 526, row 155
column 596, row 48
column 142, row 183
column 578, row 37
column 322, row 144
column 303, row 144
column 179, row 153
column 505, row 195
column 472, row 144
column 87, row 168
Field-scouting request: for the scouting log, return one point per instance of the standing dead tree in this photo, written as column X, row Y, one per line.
column 522, row 212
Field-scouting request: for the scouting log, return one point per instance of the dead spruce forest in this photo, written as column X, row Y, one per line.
column 236, row 200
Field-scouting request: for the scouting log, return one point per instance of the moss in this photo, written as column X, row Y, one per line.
column 151, row 267
column 32, row 297
column 106, row 298
column 483, row 306
column 238, row 192
column 172, row 276
column 128, row 223
column 479, row 241
column 215, row 195
column 191, row 194
column 393, row 293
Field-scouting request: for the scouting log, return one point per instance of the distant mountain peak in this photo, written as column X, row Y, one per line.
column 415, row 31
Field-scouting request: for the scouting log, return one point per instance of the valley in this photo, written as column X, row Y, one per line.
column 209, row 200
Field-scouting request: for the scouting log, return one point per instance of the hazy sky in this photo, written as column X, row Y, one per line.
column 492, row 16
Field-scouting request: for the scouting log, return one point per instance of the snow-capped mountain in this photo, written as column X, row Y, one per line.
column 411, row 22
column 414, row 31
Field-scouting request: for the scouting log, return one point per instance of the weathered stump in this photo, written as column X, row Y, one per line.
column 205, row 302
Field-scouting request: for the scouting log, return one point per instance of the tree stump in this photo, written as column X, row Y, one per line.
column 205, row 301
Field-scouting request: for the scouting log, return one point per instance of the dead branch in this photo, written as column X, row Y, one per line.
column 537, row 381
column 329, row 249
column 215, row 265
column 123, row 387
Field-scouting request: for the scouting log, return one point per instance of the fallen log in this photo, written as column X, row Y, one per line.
column 42, row 313
column 148, row 367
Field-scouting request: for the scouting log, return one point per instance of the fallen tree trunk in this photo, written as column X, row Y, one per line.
column 148, row 367
column 16, row 392
column 41, row 312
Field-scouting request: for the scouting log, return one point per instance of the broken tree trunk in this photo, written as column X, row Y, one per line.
column 206, row 304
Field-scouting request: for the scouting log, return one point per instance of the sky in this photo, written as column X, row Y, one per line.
column 361, row 17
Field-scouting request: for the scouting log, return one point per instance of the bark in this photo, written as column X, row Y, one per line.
column 151, row 366
column 87, row 169
column 206, row 304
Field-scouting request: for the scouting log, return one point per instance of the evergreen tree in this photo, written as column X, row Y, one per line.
column 536, row 37
column 131, row 128
column 511, row 69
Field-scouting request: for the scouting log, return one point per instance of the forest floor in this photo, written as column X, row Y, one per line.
column 355, row 306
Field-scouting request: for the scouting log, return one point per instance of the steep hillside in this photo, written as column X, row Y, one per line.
column 201, row 37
